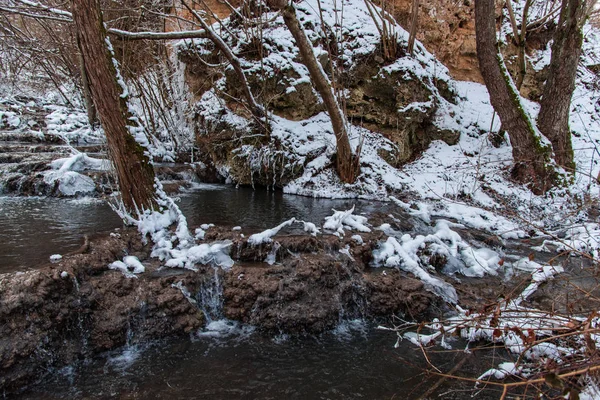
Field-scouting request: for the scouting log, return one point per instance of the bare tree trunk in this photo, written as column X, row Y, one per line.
column 520, row 37
column 346, row 162
column 133, row 167
column 413, row 26
column 553, row 119
column 531, row 157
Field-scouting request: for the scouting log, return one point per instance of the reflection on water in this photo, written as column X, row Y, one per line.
column 359, row 363
column 258, row 209
column 32, row 229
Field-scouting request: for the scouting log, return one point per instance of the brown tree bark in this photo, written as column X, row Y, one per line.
column 531, row 157
column 520, row 37
column 347, row 164
column 553, row 119
column 413, row 26
column 134, row 170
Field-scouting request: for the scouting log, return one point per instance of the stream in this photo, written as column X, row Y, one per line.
column 355, row 361
column 226, row 360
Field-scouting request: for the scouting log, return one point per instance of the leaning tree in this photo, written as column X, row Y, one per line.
column 132, row 164
column 532, row 158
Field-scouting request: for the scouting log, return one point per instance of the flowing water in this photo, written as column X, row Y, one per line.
column 232, row 362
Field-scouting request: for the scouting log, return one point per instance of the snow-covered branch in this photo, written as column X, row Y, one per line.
column 197, row 34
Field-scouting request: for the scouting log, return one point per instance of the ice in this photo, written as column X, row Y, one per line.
column 216, row 253
column 310, row 228
column 266, row 236
column 504, row 369
column 358, row 239
column 346, row 251
column 65, row 171
column 404, row 256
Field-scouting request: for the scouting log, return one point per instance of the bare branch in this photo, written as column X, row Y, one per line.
column 43, row 7
column 199, row 34
column 32, row 15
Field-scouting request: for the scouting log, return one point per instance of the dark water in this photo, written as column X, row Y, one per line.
column 260, row 209
column 32, row 229
column 354, row 362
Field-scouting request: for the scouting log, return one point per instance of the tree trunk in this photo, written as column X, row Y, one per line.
column 531, row 157
column 413, row 26
column 346, row 162
column 553, row 119
column 134, row 170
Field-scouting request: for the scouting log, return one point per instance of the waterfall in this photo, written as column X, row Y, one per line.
column 210, row 297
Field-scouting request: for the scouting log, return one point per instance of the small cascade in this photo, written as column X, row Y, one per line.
column 353, row 304
column 127, row 355
column 80, row 323
column 210, row 297
column 238, row 251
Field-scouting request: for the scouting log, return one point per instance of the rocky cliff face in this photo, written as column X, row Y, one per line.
column 447, row 29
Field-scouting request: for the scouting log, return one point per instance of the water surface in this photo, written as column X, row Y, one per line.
column 32, row 229
column 354, row 362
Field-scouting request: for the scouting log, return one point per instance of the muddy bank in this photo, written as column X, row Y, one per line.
column 71, row 310
column 78, row 307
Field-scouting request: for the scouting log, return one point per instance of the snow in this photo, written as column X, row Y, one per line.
column 404, row 251
column 504, row 370
column 71, row 125
column 524, row 331
column 358, row 239
column 310, row 228
column 80, row 162
column 583, row 239
column 130, row 266
column 466, row 185
column 393, row 253
column 70, row 182
column 345, row 220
